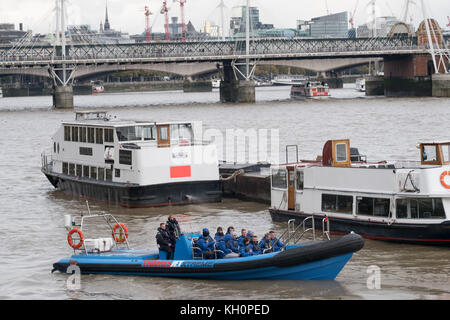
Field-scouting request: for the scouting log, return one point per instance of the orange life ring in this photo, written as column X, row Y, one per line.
column 443, row 175
column 120, row 238
column 70, row 240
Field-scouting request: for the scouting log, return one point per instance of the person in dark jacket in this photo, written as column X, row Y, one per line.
column 230, row 230
column 219, row 236
column 265, row 244
column 173, row 228
column 231, row 242
column 206, row 244
column 277, row 245
column 246, row 250
column 164, row 241
column 222, row 249
column 242, row 237
column 255, row 243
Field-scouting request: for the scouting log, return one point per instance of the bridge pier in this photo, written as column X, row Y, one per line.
column 63, row 97
column 233, row 89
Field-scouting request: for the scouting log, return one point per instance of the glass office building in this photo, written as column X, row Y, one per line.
column 331, row 26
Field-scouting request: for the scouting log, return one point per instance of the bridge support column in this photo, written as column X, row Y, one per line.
column 408, row 76
column 441, row 85
column 374, row 85
column 63, row 97
column 235, row 90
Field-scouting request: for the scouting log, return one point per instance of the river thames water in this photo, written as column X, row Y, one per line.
column 33, row 235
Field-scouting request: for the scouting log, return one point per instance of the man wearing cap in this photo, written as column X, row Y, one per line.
column 206, row 244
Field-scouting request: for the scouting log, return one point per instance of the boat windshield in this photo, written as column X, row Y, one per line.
column 136, row 133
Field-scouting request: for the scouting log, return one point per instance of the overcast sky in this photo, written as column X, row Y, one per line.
column 128, row 15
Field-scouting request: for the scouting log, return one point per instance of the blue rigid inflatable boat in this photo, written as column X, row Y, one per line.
column 315, row 260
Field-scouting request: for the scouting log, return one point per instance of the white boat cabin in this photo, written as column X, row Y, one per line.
column 341, row 183
column 98, row 147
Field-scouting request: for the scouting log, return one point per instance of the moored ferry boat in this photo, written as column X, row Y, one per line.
column 1, row 92
column 407, row 202
column 310, row 90
column 132, row 163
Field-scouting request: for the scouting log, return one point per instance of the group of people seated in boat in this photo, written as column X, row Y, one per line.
column 229, row 244
column 222, row 245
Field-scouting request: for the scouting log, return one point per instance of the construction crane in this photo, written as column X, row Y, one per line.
column 165, row 11
column 183, row 23
column 147, row 24
column 352, row 15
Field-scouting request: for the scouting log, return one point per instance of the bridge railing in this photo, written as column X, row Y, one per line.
column 214, row 49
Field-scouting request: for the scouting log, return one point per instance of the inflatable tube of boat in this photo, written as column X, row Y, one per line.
column 292, row 257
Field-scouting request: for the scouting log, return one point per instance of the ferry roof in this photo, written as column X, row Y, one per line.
column 103, row 120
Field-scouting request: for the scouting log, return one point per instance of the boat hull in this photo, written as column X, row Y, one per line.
column 318, row 261
column 133, row 196
column 421, row 234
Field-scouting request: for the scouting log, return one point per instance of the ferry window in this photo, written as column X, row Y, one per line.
column 75, row 134
column 86, row 171
column 418, row 208
column 117, row 173
column 279, row 179
column 300, row 180
column 83, row 134
column 429, row 154
column 163, row 133
column 101, row 174
column 341, row 152
column 337, row 203
column 108, row 174
column 125, row 157
column 58, row 147
column 375, row 207
column 54, row 147
column 99, row 135
column 85, row 151
column 66, row 133
column 446, row 152
column 71, row 169
column 93, row 172
column 79, row 170
column 109, row 135
column 127, row 134
column 91, row 135
column 402, row 209
column 65, row 168
column 149, row 133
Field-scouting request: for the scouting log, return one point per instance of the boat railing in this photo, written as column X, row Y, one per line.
column 46, row 160
column 294, row 234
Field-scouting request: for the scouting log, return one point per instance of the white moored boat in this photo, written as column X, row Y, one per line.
column 132, row 163
column 310, row 89
column 361, row 84
column 1, row 92
column 397, row 201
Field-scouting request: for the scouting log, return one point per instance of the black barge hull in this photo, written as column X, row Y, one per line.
column 134, row 196
column 422, row 234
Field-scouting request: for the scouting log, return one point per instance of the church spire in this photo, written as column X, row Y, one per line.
column 107, row 26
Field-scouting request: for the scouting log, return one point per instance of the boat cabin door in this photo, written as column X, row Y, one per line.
column 163, row 133
column 291, row 188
